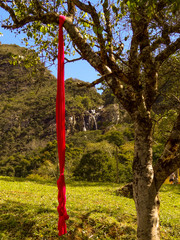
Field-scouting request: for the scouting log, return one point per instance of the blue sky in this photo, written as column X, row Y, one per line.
column 80, row 69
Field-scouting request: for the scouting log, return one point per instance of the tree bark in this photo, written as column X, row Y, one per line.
column 144, row 188
column 135, row 94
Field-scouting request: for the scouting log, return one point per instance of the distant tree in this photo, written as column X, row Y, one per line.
column 96, row 165
column 114, row 137
column 126, row 41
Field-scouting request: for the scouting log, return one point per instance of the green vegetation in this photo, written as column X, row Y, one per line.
column 98, row 32
column 28, row 149
column 96, row 165
column 28, row 96
column 89, row 156
column 27, row 99
column 28, row 211
column 79, row 99
column 28, row 132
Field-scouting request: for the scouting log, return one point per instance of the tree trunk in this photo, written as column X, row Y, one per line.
column 144, row 189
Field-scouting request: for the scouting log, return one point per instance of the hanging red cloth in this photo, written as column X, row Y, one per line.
column 60, row 128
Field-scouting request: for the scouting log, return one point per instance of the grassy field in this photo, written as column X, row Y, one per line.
column 28, row 211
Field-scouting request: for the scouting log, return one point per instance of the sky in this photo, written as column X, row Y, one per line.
column 81, row 69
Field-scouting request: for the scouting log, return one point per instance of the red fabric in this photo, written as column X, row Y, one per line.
column 60, row 127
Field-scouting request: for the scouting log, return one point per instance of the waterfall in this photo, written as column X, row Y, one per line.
column 95, row 123
column 84, row 125
column 92, row 115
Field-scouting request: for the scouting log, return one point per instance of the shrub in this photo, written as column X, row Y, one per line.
column 115, row 137
column 96, row 166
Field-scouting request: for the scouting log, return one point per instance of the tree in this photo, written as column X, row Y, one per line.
column 149, row 30
column 96, row 165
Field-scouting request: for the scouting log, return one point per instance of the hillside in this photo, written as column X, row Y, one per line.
column 27, row 110
column 27, row 104
column 99, row 133
column 28, row 128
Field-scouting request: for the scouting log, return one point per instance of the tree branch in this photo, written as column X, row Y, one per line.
column 108, row 29
column 133, row 62
column 170, row 159
column 71, row 8
column 158, row 41
column 45, row 18
column 85, row 50
column 82, row 6
column 125, row 63
column 97, row 26
column 125, row 95
column 97, row 81
column 10, row 11
column 87, row 53
column 141, row 38
column 72, row 60
column 29, row 18
column 169, row 50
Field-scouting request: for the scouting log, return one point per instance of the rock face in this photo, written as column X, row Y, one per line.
column 93, row 119
column 28, row 100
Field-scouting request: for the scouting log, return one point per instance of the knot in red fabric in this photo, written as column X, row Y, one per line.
column 61, row 20
column 62, row 197
column 62, row 205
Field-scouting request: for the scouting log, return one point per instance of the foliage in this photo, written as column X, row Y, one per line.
column 169, row 88
column 88, row 152
column 73, row 156
column 99, row 162
column 125, row 157
column 116, row 13
column 28, row 136
column 99, row 150
column 81, row 139
column 27, row 111
column 115, row 137
column 163, row 124
column 27, row 105
column 108, row 96
column 96, row 166
column 79, row 99
column 41, row 161
column 98, row 32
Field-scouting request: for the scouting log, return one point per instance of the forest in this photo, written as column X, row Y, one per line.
column 99, row 132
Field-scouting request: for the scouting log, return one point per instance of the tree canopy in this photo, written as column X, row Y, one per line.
column 126, row 41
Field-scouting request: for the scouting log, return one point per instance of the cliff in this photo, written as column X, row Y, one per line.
column 27, row 110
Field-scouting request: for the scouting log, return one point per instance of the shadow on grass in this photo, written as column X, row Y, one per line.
column 20, row 221
column 91, row 227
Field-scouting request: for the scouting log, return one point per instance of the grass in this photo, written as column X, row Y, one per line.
column 28, row 211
